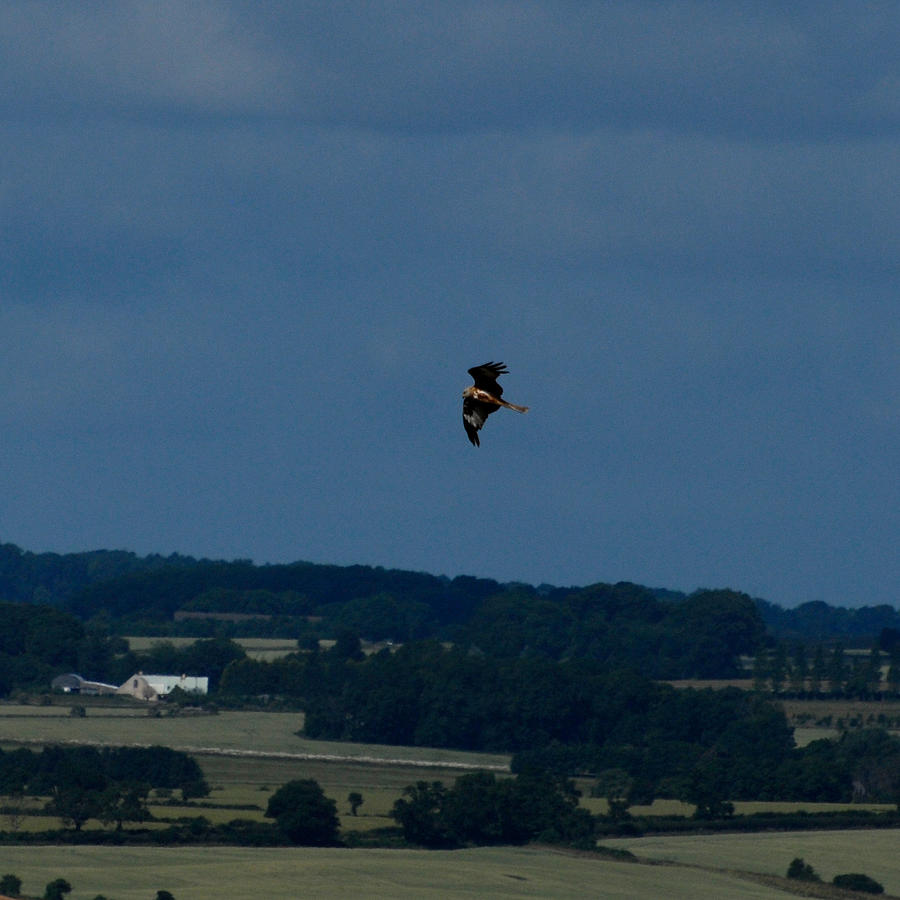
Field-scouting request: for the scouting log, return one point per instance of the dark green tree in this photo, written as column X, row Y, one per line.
column 545, row 807
column 799, row 669
column 305, row 814
column 75, row 805
column 778, row 669
column 355, row 799
column 210, row 657
column 478, row 810
column 10, row 885
column 873, row 671
column 802, row 871
column 708, row 787
column 121, row 803
column 419, row 813
column 856, row 680
column 837, row 670
column 57, row 889
column 347, row 646
column 717, row 627
column 483, row 809
column 817, row 671
column 761, row 668
column 871, row 757
column 893, row 673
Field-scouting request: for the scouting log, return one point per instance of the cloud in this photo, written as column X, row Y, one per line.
column 130, row 59
column 744, row 70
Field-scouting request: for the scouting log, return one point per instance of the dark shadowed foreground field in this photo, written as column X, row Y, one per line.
column 234, row 873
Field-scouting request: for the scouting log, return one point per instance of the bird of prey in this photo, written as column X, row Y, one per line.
column 483, row 398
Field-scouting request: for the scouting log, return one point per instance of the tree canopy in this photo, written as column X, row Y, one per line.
column 304, row 814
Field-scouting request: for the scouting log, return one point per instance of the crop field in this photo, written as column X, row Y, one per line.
column 246, row 756
column 830, row 853
column 237, row 732
column 237, row 873
column 257, row 648
column 835, row 713
column 265, row 649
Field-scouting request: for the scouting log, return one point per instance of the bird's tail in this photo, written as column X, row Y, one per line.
column 514, row 406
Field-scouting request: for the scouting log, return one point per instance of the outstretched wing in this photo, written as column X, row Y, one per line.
column 486, row 375
column 475, row 414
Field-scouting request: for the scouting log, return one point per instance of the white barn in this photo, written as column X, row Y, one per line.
column 152, row 687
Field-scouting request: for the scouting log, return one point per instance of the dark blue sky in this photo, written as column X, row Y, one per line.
column 249, row 251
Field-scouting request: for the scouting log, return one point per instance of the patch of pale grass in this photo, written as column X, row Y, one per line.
column 830, row 853
column 237, row 732
column 806, row 735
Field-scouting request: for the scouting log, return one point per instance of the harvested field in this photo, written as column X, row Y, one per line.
column 830, row 853
column 236, row 873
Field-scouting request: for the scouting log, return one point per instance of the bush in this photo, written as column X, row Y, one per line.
column 11, row 885
column 855, row 881
column 801, row 871
column 57, row 889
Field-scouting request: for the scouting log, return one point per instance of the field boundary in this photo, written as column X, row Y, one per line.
column 282, row 755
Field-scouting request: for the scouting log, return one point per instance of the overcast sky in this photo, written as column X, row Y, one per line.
column 249, row 251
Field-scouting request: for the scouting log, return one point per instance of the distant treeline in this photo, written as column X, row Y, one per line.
column 66, row 613
column 131, row 594
column 816, row 622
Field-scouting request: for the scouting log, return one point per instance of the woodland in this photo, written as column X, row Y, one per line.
column 571, row 681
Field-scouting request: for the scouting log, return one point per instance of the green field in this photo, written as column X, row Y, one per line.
column 237, row 873
column 245, row 756
column 236, row 732
column 830, row 853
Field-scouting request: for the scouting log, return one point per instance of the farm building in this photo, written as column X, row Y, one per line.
column 152, row 687
column 75, row 684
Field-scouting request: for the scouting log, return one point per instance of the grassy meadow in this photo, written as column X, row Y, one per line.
column 830, row 853
column 238, row 873
column 245, row 757
column 237, row 732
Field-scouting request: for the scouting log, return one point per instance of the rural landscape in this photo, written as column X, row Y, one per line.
column 449, row 450
column 402, row 734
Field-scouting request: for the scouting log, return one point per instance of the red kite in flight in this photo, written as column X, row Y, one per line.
column 483, row 398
